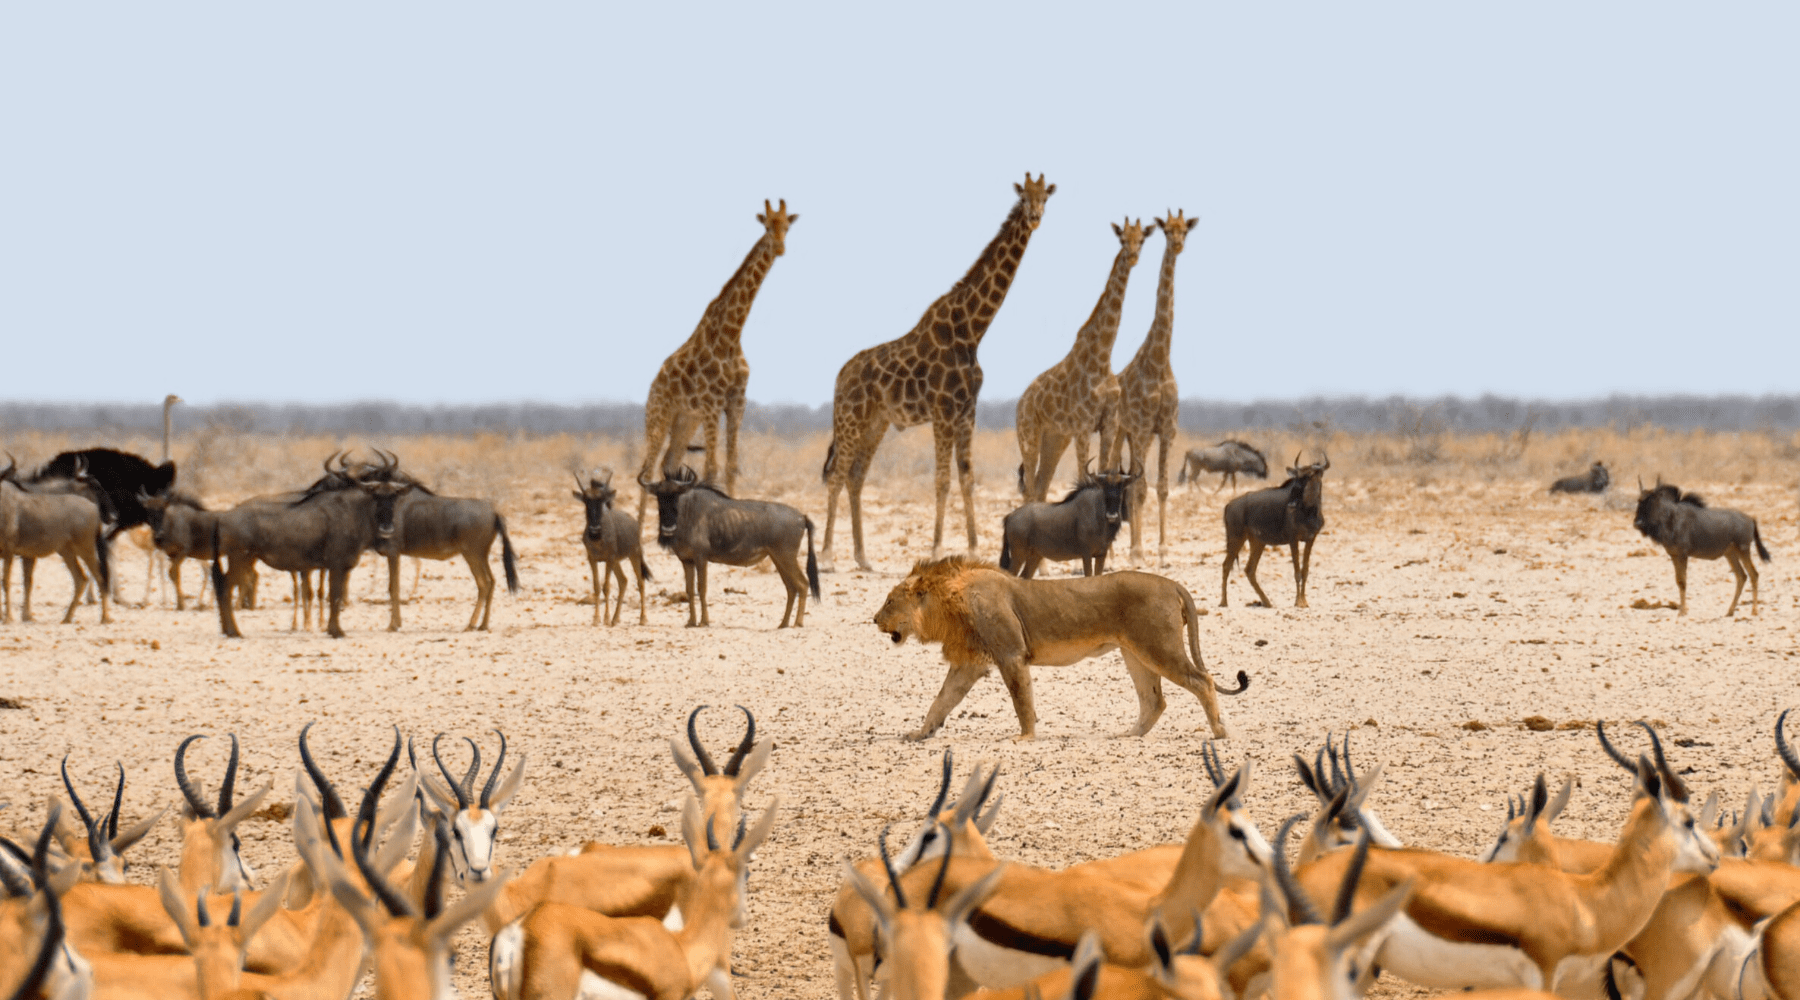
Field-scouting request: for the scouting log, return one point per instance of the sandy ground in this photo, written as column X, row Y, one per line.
column 1432, row 606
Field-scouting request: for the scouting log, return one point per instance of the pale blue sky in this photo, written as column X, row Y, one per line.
column 461, row 203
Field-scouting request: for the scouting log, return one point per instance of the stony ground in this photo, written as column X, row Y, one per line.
column 1442, row 616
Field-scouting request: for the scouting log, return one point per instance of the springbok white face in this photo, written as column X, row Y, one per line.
column 213, row 826
column 474, row 820
column 105, row 842
column 1695, row 852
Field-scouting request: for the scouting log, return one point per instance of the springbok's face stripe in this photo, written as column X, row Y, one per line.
column 473, row 833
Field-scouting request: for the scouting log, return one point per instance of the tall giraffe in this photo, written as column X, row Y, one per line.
column 708, row 373
column 928, row 375
column 1148, row 398
column 1079, row 394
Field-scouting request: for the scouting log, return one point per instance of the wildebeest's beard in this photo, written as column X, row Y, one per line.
column 596, row 514
column 1113, row 496
column 384, row 514
column 1648, row 516
column 668, row 513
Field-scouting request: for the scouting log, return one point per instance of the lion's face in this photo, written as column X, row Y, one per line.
column 903, row 613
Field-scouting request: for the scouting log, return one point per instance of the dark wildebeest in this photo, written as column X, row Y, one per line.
column 182, row 529
column 1594, row 480
column 1288, row 514
column 327, row 530
column 424, row 525
column 1685, row 527
column 1080, row 526
column 701, row 525
column 52, row 518
column 612, row 537
column 1228, row 458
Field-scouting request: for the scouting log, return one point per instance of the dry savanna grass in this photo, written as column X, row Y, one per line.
column 1452, row 599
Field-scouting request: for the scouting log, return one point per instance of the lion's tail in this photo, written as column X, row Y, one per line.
column 1193, row 634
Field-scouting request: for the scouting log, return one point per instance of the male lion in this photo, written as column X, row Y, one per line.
column 983, row 615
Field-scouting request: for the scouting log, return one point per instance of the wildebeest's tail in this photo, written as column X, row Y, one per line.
column 222, row 591
column 1006, row 559
column 643, row 568
column 1756, row 536
column 1181, row 475
column 103, row 557
column 830, row 460
column 1193, row 634
column 812, row 558
column 507, row 559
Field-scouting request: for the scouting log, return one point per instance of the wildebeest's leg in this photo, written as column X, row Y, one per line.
column 700, row 581
column 1017, row 675
column 80, row 580
column 484, row 588
column 1256, row 551
column 1299, row 581
column 1750, row 568
column 1232, row 544
column 418, row 566
column 637, row 567
column 27, row 565
column 957, row 682
column 787, row 566
column 175, row 581
column 600, row 594
column 1736, row 560
column 1681, row 581
column 338, row 581
column 6, row 562
column 1149, row 694
column 1305, row 572
column 294, row 618
column 91, row 556
column 687, row 572
column 965, row 472
column 617, row 569
column 1029, row 567
column 394, row 590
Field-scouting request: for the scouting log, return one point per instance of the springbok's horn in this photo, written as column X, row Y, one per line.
column 707, row 767
column 227, row 786
column 98, row 848
column 1782, row 747
column 487, row 790
column 1299, row 903
column 937, row 804
column 456, row 788
column 1612, row 751
column 195, row 800
column 887, row 862
column 937, row 884
column 736, row 760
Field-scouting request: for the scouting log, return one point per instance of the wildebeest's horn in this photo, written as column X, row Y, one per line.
column 11, row 464
column 705, row 760
column 1327, row 464
column 1788, row 757
column 196, row 801
column 579, row 485
column 1640, row 484
column 643, row 481
column 743, row 749
column 687, row 474
column 328, row 458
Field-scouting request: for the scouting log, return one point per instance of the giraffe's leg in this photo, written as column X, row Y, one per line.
column 859, row 472
column 1109, row 432
column 734, row 421
column 943, row 440
column 1027, row 433
column 1081, row 454
column 711, row 431
column 965, row 470
column 1163, row 441
column 852, row 447
column 659, row 417
column 1050, row 451
column 1140, row 492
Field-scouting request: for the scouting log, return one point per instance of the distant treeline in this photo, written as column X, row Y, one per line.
column 1394, row 414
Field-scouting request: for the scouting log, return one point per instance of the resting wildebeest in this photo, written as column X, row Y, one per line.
column 1594, row 480
column 700, row 524
column 36, row 525
column 1228, row 458
column 1685, row 527
column 1288, row 515
column 1080, row 526
column 611, row 537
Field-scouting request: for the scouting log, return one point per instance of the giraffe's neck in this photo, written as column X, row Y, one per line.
column 724, row 319
column 964, row 314
column 1094, row 341
column 1155, row 352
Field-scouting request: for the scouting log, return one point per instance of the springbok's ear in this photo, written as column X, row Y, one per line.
column 1361, row 925
column 878, row 902
column 759, row 755
column 508, row 788
column 1560, row 800
column 963, row 903
column 1709, row 809
column 693, row 831
column 264, row 909
column 760, row 832
column 688, row 766
column 175, row 906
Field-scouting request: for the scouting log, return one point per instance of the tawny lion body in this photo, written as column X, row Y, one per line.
column 983, row 616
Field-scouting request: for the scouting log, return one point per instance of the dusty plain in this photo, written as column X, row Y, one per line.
column 1452, row 598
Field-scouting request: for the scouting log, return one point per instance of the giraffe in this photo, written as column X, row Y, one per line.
column 708, row 373
column 928, row 375
column 1148, row 397
column 1079, row 394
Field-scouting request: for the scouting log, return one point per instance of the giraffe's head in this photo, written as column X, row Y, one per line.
column 1175, row 228
column 1131, row 238
column 1033, row 194
column 777, row 221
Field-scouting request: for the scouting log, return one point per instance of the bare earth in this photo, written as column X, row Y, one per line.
column 1434, row 606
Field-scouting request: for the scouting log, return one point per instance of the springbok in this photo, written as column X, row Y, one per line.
column 474, row 820
column 210, row 854
column 611, row 537
column 214, row 965
column 1312, row 959
column 35, row 957
column 1289, row 515
column 103, row 858
column 559, row 951
column 852, row 923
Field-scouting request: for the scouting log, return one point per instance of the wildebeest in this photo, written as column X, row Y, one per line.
column 1685, row 527
column 701, row 525
column 611, row 537
column 1594, row 480
column 42, row 522
column 1228, row 458
column 1288, row 514
column 182, row 529
column 424, row 525
column 120, row 475
column 327, row 530
column 1080, row 526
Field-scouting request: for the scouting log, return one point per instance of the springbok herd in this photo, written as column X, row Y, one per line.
column 1688, row 898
